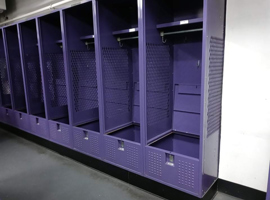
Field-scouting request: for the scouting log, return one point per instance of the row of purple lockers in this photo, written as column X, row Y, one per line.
column 173, row 160
column 183, row 174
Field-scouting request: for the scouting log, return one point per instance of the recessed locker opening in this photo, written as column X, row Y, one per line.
column 4, row 82
column 14, row 58
column 180, row 144
column 118, row 22
column 53, row 67
column 81, row 56
column 32, row 68
column 174, row 55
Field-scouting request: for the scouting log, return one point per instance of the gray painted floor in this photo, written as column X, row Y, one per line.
column 31, row 172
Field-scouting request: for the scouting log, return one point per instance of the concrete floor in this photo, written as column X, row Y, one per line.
column 31, row 172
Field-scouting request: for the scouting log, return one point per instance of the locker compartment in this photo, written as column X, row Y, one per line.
column 53, row 69
column 173, row 92
column 118, row 29
column 15, row 68
column 4, row 80
column 81, row 66
column 173, row 67
column 31, row 63
column 22, row 121
column 39, row 126
column 174, row 160
column 119, row 52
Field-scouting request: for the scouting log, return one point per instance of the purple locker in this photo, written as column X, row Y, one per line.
column 79, row 31
column 54, row 78
column 5, row 99
column 119, row 63
column 182, row 62
column 33, row 79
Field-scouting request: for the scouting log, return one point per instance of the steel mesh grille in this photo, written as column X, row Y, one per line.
column 117, row 81
column 56, row 79
column 16, row 71
column 215, row 84
column 84, row 82
column 159, row 76
column 5, row 87
column 34, row 78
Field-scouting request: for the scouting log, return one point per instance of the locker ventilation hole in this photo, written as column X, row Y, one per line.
column 186, row 174
column 154, row 163
column 132, row 156
column 110, row 149
column 159, row 76
column 215, row 85
column 117, row 79
column 94, row 144
column 34, row 78
column 5, row 87
column 84, row 80
column 56, row 79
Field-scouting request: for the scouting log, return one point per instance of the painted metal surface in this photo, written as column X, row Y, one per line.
column 138, row 89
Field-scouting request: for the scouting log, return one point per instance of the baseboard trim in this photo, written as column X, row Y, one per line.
column 144, row 183
column 240, row 191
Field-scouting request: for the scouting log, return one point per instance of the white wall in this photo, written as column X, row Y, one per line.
column 245, row 135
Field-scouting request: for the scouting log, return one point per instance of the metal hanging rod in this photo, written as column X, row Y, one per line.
column 127, row 38
column 162, row 34
column 179, row 32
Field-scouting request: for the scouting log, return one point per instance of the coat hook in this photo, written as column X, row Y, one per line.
column 163, row 38
column 87, row 45
column 120, row 43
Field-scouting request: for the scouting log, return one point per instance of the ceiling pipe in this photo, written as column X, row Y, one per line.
column 47, row 8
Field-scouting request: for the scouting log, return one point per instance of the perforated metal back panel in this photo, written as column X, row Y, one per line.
column 56, row 78
column 159, row 86
column 5, row 87
column 215, row 85
column 17, row 78
column 34, row 78
column 117, row 86
column 84, row 80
